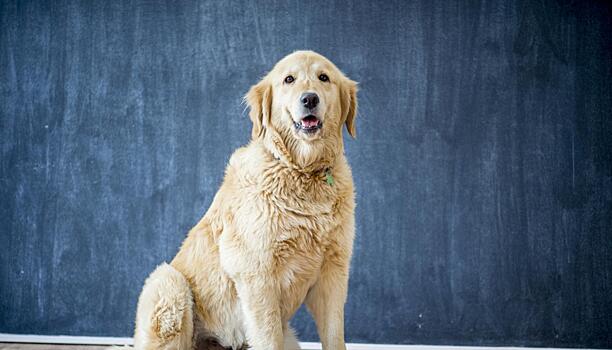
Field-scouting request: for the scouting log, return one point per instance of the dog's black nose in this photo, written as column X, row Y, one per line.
column 310, row 100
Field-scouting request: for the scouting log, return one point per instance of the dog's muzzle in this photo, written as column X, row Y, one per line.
column 309, row 124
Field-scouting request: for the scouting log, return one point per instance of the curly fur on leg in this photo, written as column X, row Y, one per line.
column 164, row 319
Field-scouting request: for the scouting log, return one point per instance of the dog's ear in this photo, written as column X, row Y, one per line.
column 259, row 100
column 348, row 102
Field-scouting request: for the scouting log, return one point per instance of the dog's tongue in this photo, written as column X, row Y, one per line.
column 310, row 122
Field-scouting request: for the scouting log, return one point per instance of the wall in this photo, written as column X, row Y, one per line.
column 482, row 165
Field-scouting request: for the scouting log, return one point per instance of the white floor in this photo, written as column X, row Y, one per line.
column 63, row 339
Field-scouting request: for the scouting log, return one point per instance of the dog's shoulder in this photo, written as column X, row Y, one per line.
column 249, row 160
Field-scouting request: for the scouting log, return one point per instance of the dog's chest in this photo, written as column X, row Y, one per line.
column 303, row 222
column 291, row 215
column 300, row 214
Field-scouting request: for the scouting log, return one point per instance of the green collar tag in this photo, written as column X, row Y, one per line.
column 328, row 177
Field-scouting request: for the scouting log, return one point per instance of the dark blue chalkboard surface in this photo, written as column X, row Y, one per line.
column 483, row 162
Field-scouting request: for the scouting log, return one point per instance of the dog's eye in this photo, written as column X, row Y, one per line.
column 323, row 77
column 289, row 79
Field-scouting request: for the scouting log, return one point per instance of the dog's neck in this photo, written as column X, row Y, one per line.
column 298, row 155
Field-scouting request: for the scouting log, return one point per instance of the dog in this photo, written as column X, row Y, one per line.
column 279, row 231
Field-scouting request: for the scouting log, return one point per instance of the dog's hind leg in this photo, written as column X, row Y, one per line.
column 164, row 318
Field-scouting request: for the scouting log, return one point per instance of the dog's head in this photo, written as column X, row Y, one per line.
column 305, row 98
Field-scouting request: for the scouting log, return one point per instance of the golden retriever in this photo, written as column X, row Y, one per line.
column 279, row 231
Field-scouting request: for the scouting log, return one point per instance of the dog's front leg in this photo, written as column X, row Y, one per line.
column 248, row 266
column 260, row 306
column 325, row 301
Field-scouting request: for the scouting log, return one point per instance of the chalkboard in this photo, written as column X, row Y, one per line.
column 483, row 162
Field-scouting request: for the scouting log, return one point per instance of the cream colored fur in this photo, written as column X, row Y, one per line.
column 277, row 233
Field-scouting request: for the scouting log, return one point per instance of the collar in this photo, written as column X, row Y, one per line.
column 326, row 173
column 280, row 152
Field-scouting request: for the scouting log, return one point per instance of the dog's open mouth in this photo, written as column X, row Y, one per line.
column 309, row 124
